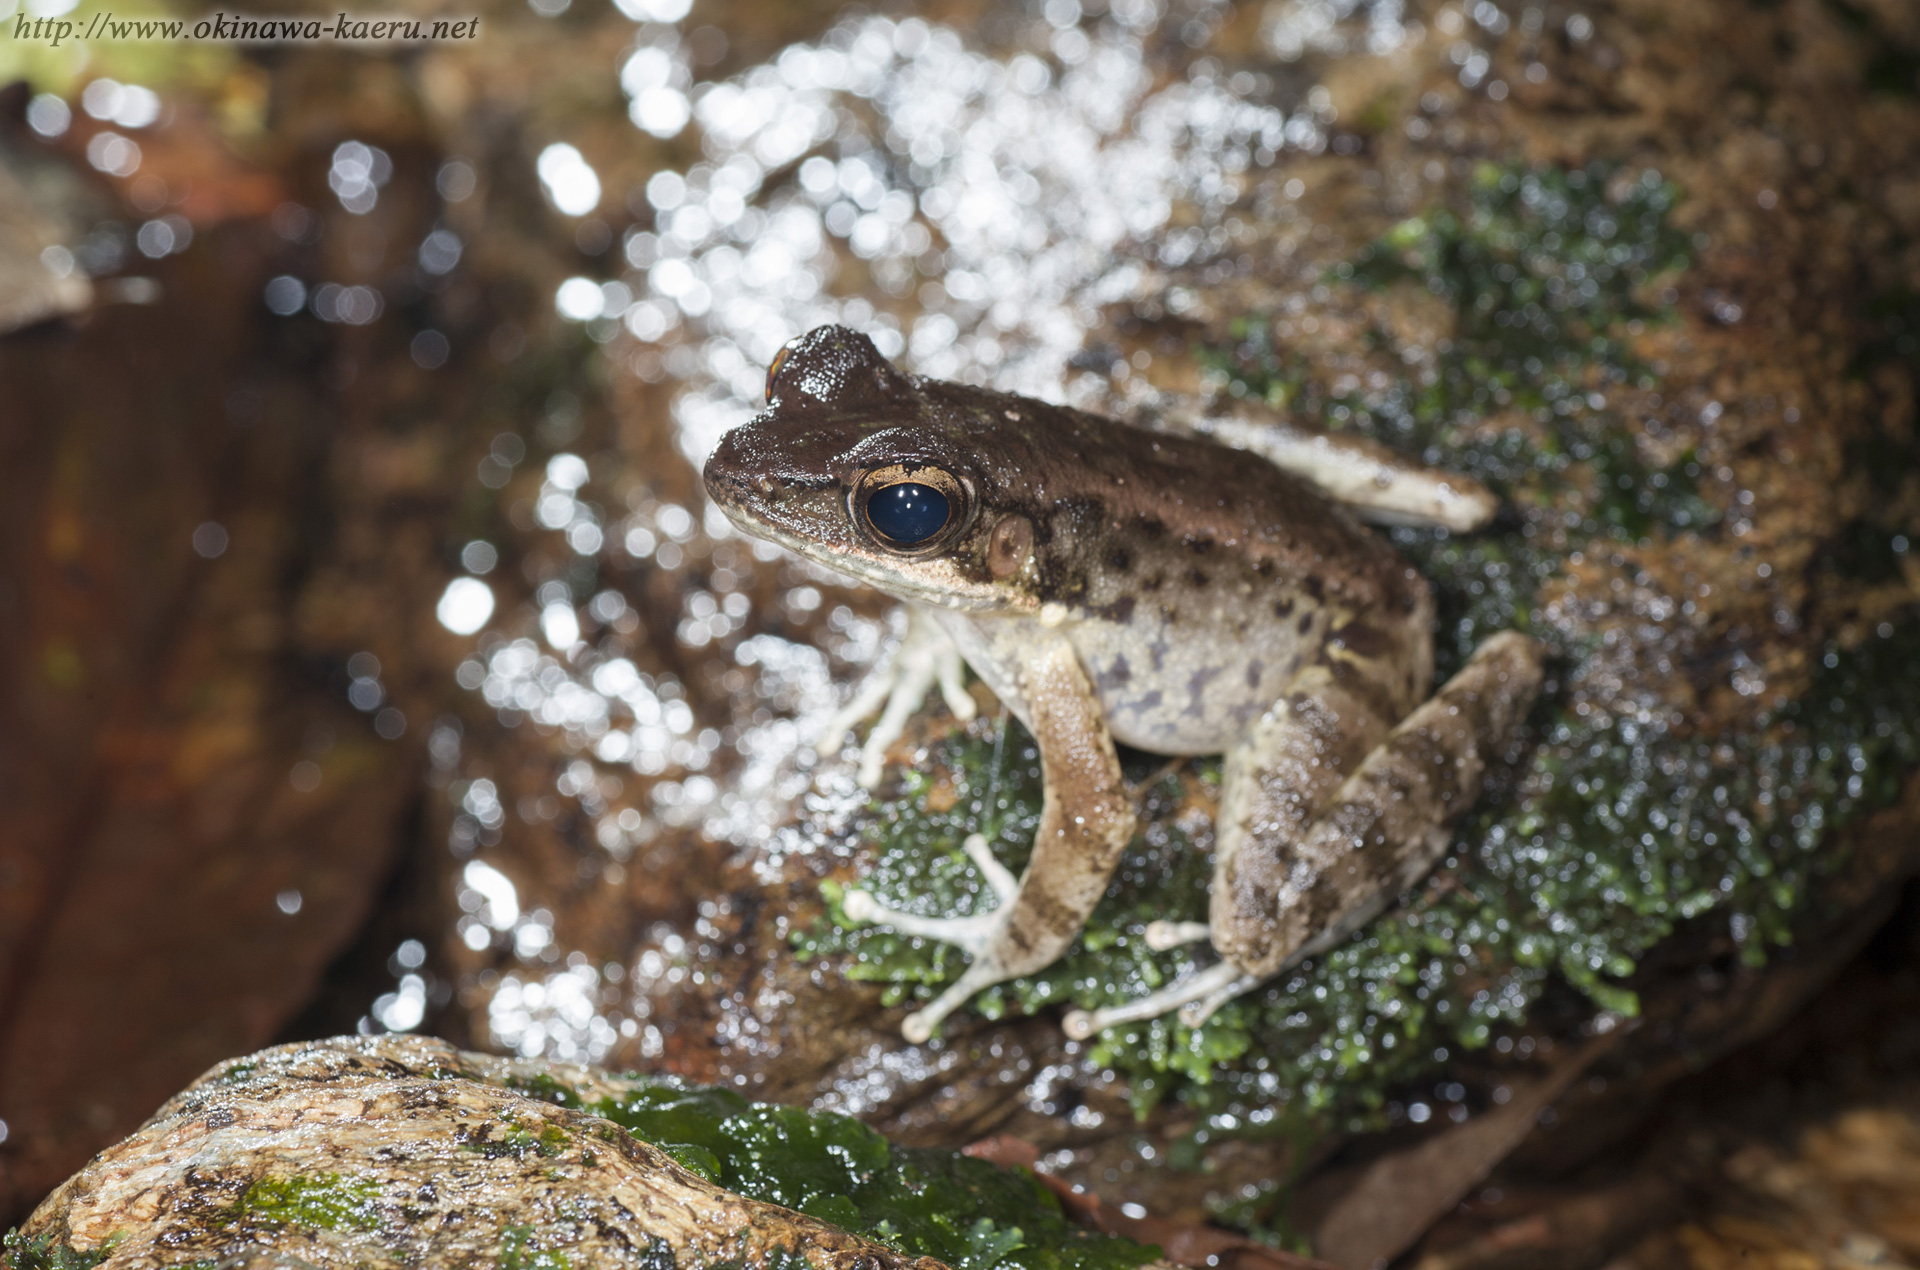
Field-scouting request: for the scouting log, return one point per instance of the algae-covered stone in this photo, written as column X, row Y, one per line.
column 393, row 1151
column 1636, row 273
column 1641, row 801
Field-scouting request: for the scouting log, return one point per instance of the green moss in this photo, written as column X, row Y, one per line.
column 546, row 1089
column 521, row 1249
column 517, row 1141
column 966, row 1212
column 1548, row 279
column 325, row 1201
column 40, row 1252
column 1627, row 825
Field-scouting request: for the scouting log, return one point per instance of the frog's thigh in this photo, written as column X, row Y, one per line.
column 1086, row 820
column 1275, row 783
column 1385, row 825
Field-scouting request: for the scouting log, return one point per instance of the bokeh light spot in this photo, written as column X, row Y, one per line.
column 48, row 115
column 571, row 184
column 210, row 539
column 479, row 556
column 430, row 349
column 465, row 605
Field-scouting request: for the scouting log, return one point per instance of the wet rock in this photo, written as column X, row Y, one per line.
column 406, row 1151
column 225, row 525
column 1697, row 547
column 1707, row 447
column 184, row 804
column 1795, row 1151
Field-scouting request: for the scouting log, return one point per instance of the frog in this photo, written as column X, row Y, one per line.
column 1185, row 586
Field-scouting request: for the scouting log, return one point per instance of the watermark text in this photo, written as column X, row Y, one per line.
column 240, row 28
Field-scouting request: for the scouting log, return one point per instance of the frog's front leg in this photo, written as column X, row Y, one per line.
column 1296, row 873
column 926, row 656
column 1086, row 820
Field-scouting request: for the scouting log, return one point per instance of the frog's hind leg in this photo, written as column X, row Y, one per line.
column 1386, row 826
column 1275, row 781
column 1298, row 874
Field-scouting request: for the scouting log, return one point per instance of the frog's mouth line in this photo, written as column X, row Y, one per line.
column 955, row 592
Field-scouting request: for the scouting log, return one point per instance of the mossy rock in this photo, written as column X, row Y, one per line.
column 405, row 1151
column 1625, row 817
column 1708, row 461
column 1698, row 408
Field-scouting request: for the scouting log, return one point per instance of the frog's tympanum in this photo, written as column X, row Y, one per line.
column 1111, row 583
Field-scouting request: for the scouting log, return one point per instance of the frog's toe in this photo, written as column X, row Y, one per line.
column 951, row 670
column 998, row 876
column 1164, row 935
column 867, row 698
column 1210, row 988
column 971, row 934
column 919, row 1026
column 908, row 689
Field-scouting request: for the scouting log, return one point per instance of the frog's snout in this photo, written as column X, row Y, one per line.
column 731, row 483
column 740, row 489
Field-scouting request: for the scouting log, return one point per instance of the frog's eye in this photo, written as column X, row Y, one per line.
column 909, row 509
column 909, row 513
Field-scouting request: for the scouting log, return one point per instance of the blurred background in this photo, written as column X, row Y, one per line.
column 372, row 660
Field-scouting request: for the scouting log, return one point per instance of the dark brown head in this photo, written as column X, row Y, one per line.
column 876, row 474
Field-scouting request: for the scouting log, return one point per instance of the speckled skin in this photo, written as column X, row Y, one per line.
column 1185, row 598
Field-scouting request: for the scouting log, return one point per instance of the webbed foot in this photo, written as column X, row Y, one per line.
column 895, row 690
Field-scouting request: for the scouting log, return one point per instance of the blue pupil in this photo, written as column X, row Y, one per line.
column 909, row 513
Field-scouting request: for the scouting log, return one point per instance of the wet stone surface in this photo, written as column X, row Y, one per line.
column 406, row 1151
column 1636, row 330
